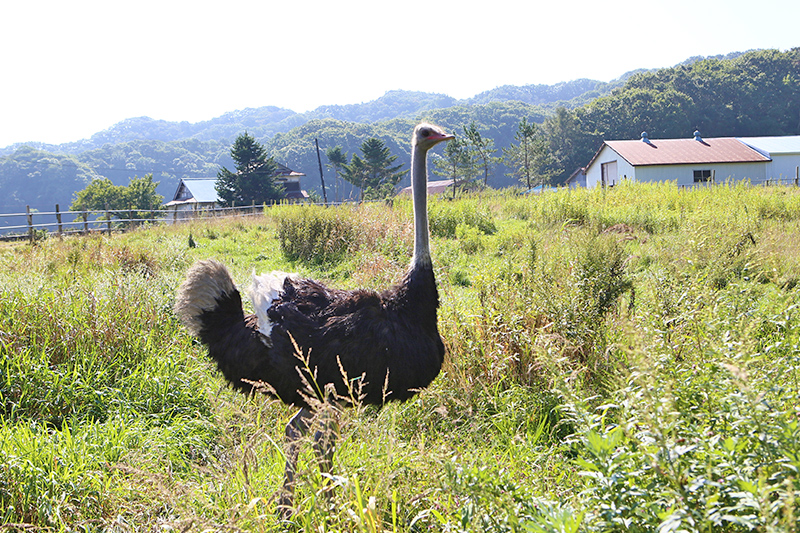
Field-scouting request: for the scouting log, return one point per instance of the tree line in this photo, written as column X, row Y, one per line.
column 468, row 160
column 755, row 93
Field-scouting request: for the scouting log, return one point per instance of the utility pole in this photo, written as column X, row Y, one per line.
column 321, row 178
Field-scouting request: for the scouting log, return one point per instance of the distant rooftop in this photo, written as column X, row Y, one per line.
column 195, row 190
column 434, row 187
column 686, row 151
column 788, row 144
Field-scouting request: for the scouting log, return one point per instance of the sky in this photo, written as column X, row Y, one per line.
column 72, row 69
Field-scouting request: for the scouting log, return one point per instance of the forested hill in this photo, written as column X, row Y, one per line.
column 264, row 122
column 750, row 94
column 171, row 150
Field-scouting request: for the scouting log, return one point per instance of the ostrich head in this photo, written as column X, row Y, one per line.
column 426, row 136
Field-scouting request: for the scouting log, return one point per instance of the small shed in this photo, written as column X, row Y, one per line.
column 577, row 178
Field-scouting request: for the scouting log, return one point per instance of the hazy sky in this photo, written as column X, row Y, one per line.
column 71, row 69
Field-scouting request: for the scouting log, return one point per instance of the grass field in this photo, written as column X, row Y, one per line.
column 620, row 360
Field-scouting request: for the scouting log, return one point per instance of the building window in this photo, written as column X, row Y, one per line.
column 702, row 176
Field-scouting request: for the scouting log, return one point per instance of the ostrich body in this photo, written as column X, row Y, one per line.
column 307, row 343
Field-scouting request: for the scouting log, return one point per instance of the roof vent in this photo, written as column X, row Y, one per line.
column 697, row 136
column 644, row 138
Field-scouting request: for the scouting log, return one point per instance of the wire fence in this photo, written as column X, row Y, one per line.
column 764, row 182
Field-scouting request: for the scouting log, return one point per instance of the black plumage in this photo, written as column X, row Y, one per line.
column 370, row 347
column 313, row 343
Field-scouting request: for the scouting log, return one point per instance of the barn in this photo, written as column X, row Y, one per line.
column 696, row 161
column 783, row 152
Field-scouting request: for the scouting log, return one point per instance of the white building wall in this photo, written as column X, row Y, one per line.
column 684, row 174
column 607, row 155
column 783, row 166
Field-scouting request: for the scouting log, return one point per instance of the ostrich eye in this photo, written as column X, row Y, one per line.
column 426, row 133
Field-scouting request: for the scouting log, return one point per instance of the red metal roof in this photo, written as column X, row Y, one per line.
column 685, row 151
column 434, row 187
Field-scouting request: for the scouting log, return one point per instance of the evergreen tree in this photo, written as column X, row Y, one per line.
column 337, row 159
column 519, row 157
column 455, row 164
column 373, row 172
column 254, row 179
column 482, row 149
column 566, row 147
column 530, row 159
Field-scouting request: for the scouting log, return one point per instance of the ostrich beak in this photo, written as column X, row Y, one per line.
column 441, row 137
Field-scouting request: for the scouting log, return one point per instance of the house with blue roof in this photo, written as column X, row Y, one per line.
column 195, row 195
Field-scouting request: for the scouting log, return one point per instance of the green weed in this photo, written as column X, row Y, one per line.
column 618, row 360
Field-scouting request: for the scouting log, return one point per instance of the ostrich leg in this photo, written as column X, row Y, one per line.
column 325, row 440
column 295, row 429
column 324, row 446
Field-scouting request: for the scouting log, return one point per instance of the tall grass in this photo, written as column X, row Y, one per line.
column 619, row 360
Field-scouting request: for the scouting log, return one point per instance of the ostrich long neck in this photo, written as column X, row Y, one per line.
column 419, row 191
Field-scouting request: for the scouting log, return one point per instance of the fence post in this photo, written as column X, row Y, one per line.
column 30, row 222
column 108, row 221
column 85, row 222
column 58, row 219
column 796, row 176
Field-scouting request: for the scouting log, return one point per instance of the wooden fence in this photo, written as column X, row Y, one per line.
column 33, row 224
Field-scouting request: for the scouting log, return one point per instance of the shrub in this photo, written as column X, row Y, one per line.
column 316, row 235
column 469, row 238
column 446, row 216
column 727, row 464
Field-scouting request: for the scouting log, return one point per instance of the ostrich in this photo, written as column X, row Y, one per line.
column 307, row 343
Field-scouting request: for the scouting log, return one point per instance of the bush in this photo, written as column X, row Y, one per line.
column 652, row 463
column 316, row 235
column 445, row 217
column 469, row 238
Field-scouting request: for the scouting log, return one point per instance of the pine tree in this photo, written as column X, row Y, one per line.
column 336, row 160
column 482, row 149
column 254, row 179
column 373, row 172
column 519, row 157
column 455, row 164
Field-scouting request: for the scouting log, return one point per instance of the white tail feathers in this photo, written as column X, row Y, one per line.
column 209, row 281
column 206, row 282
column 264, row 290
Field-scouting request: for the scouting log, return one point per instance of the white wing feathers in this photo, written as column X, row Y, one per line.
column 264, row 290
